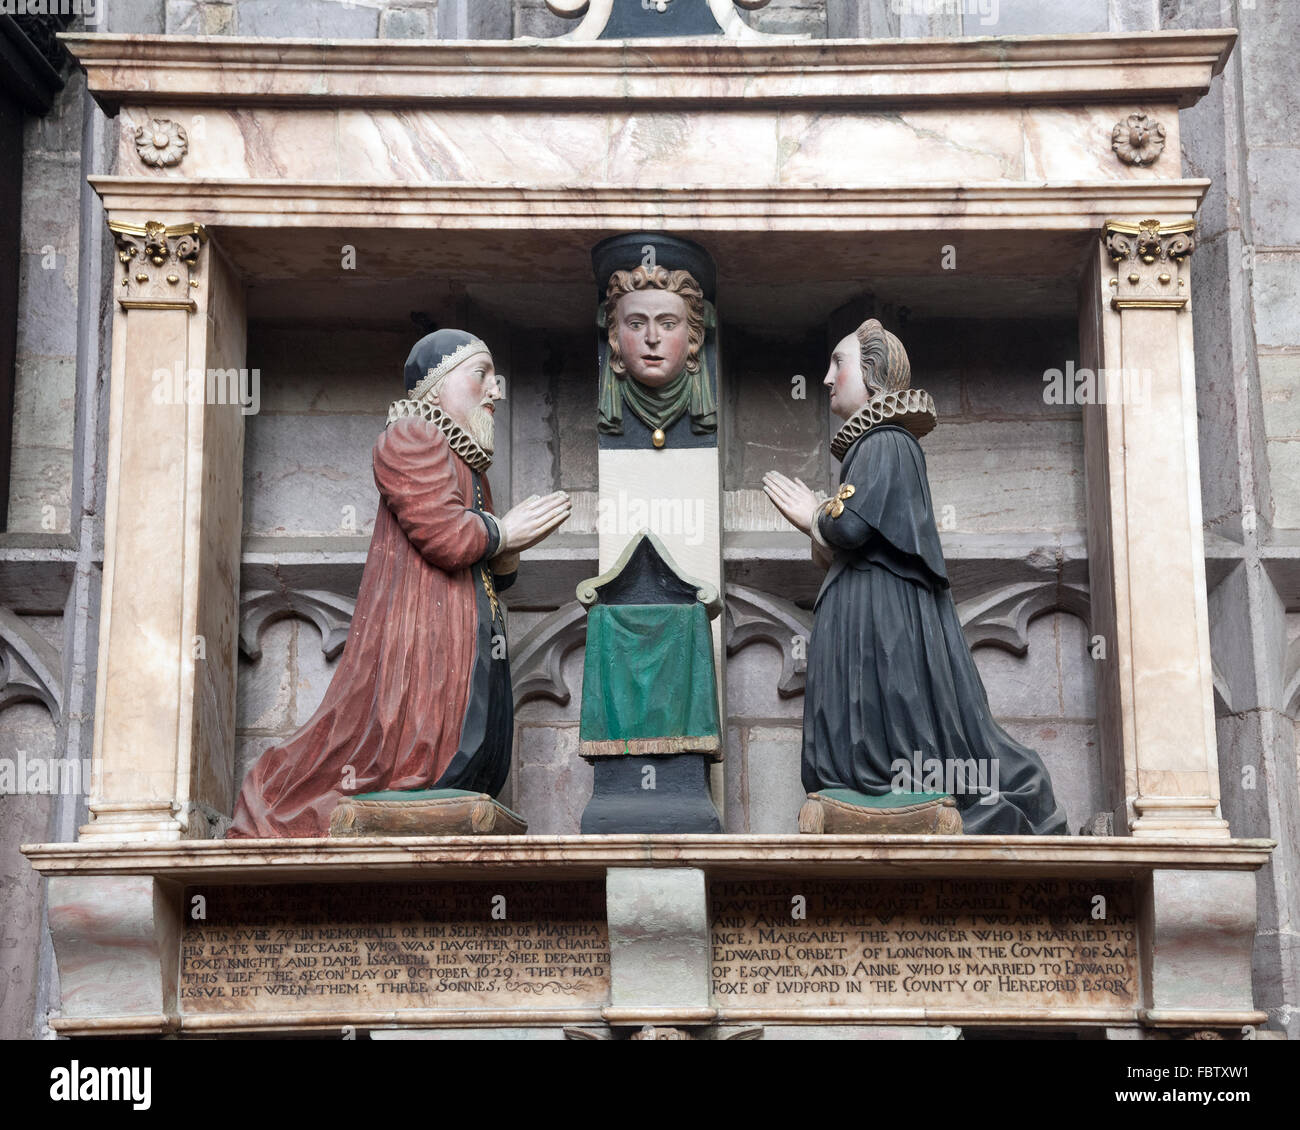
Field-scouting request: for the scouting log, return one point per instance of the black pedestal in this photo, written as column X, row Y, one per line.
column 623, row 801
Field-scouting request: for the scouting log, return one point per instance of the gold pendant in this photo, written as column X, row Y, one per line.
column 659, row 439
column 835, row 506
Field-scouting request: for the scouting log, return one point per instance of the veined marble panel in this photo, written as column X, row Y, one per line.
column 760, row 147
column 1074, row 143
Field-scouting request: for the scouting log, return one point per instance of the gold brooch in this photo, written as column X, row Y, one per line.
column 835, row 506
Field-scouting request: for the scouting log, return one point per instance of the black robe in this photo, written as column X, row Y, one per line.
column 482, row 761
column 891, row 683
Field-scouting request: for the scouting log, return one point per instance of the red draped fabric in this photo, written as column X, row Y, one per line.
column 394, row 709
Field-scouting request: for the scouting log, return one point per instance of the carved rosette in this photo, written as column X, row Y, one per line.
column 1149, row 259
column 161, row 143
column 160, row 264
column 1138, row 140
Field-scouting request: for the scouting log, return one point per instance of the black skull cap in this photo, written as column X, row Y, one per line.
column 433, row 351
column 624, row 252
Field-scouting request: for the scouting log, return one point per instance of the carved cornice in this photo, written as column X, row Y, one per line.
column 1149, row 258
column 159, row 264
column 1000, row 617
column 753, row 616
column 537, row 660
column 1145, row 68
column 997, row 617
column 966, row 207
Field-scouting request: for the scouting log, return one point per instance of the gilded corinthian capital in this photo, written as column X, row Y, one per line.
column 160, row 264
column 1149, row 258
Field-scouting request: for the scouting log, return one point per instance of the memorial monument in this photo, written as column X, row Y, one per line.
column 795, row 183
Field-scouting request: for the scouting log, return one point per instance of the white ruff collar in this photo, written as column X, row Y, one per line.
column 910, row 408
column 462, row 443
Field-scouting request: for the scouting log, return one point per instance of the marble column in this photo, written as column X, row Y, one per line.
column 1145, row 542
column 165, row 707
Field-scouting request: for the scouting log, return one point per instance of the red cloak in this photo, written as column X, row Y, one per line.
column 394, row 709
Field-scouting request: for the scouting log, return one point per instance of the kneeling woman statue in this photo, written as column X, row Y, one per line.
column 894, row 703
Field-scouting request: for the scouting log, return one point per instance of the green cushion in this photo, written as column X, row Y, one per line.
column 889, row 800
column 423, row 794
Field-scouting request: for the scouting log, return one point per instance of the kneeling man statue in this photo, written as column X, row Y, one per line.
column 421, row 699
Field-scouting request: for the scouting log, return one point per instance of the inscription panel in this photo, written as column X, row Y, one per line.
column 391, row 946
column 936, row 943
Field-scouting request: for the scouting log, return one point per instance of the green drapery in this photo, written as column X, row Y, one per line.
column 649, row 685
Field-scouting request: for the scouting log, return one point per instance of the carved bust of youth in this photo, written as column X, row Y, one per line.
column 655, row 314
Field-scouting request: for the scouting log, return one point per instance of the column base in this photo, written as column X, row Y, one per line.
column 1184, row 817
column 144, row 821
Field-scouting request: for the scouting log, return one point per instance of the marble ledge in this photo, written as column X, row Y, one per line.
column 199, row 1026
column 950, row 207
column 146, row 69
column 445, row 857
column 396, row 1022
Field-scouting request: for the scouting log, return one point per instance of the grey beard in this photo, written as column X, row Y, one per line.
column 482, row 428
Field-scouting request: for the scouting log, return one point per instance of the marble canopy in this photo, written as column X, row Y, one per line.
column 816, row 162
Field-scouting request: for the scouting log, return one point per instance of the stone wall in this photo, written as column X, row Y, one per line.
column 48, row 556
column 1242, row 135
column 45, row 386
